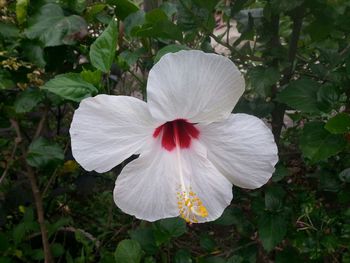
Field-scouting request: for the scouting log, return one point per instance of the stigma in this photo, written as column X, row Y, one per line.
column 174, row 133
column 190, row 206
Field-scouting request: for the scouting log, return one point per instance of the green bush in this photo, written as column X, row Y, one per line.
column 295, row 56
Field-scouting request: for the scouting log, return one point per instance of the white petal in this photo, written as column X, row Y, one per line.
column 193, row 85
column 106, row 130
column 242, row 148
column 147, row 187
column 213, row 189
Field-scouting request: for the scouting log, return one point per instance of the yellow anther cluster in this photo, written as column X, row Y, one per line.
column 13, row 64
column 190, row 206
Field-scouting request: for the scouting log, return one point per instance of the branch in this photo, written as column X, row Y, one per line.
column 8, row 164
column 54, row 175
column 36, row 194
column 279, row 110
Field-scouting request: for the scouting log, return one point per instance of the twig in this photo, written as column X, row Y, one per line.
column 89, row 236
column 54, row 174
column 40, row 125
column 36, row 193
column 231, row 251
column 8, row 165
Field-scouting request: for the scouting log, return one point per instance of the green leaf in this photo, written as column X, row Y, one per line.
column 93, row 10
column 318, row 144
column 19, row 233
column 236, row 217
column 130, row 58
column 272, row 229
column 8, row 30
column 338, row 124
column 328, row 182
column 169, row 9
column 300, row 95
column 93, row 77
column 70, row 86
column 145, row 237
column 5, row 80
column 27, row 100
column 128, row 251
column 261, row 79
column 157, row 25
column 191, row 14
column 257, row 107
column 207, row 242
column 123, row 8
column 34, row 51
column 134, row 20
column 280, row 172
column 102, row 51
column 53, row 28
column 38, row 254
column 274, row 198
column 52, row 228
column 21, row 10
column 169, row 49
column 319, row 29
column 183, row 256
column 168, row 228
column 328, row 97
column 77, row 6
column 42, row 152
column 57, row 249
column 227, row 218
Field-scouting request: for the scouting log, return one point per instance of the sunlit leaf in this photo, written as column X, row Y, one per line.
column 102, row 51
column 318, row 144
column 70, row 86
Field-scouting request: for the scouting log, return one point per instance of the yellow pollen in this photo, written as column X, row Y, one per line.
column 190, row 206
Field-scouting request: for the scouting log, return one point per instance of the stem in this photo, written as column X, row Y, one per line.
column 40, row 125
column 36, row 193
column 279, row 110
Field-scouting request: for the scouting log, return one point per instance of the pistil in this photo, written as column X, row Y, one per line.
column 189, row 204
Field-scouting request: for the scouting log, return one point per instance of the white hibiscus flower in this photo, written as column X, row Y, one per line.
column 192, row 149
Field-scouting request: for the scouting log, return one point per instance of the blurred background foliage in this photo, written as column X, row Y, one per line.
column 295, row 55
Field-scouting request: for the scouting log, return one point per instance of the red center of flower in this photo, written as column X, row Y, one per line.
column 177, row 132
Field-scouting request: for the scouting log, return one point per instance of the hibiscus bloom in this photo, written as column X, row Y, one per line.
column 192, row 149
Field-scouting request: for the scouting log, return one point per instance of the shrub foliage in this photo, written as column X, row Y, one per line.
column 295, row 56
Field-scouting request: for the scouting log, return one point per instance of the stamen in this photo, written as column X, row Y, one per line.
column 190, row 206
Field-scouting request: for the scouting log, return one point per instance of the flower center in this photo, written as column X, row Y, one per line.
column 190, row 206
column 177, row 132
